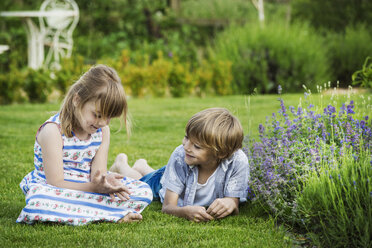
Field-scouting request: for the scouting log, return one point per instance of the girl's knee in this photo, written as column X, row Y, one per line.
column 142, row 190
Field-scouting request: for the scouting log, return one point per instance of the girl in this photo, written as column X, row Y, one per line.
column 70, row 183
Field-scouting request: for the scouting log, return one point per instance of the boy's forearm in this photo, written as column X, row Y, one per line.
column 174, row 210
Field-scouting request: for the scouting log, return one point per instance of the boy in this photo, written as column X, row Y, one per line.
column 206, row 176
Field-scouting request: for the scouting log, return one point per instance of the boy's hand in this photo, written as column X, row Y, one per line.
column 223, row 207
column 197, row 213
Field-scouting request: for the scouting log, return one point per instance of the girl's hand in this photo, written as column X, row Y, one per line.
column 223, row 207
column 110, row 185
column 115, row 180
column 197, row 213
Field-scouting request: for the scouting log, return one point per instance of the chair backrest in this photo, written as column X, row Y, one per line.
column 57, row 25
column 65, row 13
column 3, row 48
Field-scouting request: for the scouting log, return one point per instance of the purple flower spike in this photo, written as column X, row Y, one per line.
column 279, row 89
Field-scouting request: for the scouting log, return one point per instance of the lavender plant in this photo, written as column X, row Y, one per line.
column 295, row 142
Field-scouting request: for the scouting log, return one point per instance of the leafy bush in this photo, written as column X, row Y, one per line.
column 213, row 77
column 263, row 58
column 363, row 77
column 11, row 84
column 159, row 71
column 348, row 51
column 135, row 78
column 298, row 145
column 167, row 75
column 180, row 79
column 38, row 85
column 336, row 201
column 204, row 78
column 217, row 9
column 105, row 28
column 222, row 77
column 71, row 69
column 333, row 15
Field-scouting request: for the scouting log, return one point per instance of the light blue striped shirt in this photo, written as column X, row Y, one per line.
column 232, row 176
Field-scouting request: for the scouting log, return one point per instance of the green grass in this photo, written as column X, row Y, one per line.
column 158, row 127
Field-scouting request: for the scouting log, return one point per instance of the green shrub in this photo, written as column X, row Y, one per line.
column 337, row 202
column 167, row 75
column 204, row 78
column 180, row 79
column 135, row 78
column 222, row 77
column 217, row 9
column 105, row 28
column 333, row 15
column 38, row 85
column 263, row 58
column 213, row 77
column 11, row 84
column 71, row 70
column 363, row 77
column 347, row 51
column 159, row 71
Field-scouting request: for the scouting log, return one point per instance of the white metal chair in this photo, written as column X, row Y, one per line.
column 57, row 30
column 3, row 48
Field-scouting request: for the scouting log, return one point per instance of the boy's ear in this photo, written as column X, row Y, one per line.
column 221, row 155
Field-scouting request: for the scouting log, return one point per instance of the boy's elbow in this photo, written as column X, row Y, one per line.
column 164, row 209
column 168, row 209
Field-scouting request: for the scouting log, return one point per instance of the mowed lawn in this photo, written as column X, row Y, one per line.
column 157, row 128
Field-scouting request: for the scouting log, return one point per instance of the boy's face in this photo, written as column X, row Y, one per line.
column 197, row 155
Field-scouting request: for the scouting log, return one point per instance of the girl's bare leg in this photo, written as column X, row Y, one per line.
column 142, row 167
column 122, row 167
column 131, row 217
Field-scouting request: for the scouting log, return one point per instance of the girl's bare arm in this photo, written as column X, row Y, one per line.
column 50, row 141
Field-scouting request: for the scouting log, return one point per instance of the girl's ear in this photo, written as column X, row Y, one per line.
column 75, row 100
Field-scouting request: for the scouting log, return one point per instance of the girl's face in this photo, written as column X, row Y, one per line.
column 197, row 155
column 90, row 119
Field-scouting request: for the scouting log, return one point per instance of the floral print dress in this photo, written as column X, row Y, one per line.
column 47, row 203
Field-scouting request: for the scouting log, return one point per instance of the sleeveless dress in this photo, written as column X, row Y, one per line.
column 47, row 203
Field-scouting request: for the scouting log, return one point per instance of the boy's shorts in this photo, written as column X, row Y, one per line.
column 153, row 180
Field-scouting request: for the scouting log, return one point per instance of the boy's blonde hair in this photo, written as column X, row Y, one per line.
column 100, row 84
column 216, row 129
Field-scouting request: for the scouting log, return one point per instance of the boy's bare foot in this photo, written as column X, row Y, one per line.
column 131, row 217
column 122, row 167
column 142, row 167
column 120, row 160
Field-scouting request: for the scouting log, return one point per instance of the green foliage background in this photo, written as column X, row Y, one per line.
column 205, row 45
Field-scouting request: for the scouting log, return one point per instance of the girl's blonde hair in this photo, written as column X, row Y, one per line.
column 216, row 129
column 100, row 84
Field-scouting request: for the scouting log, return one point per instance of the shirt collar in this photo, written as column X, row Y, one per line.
column 225, row 163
